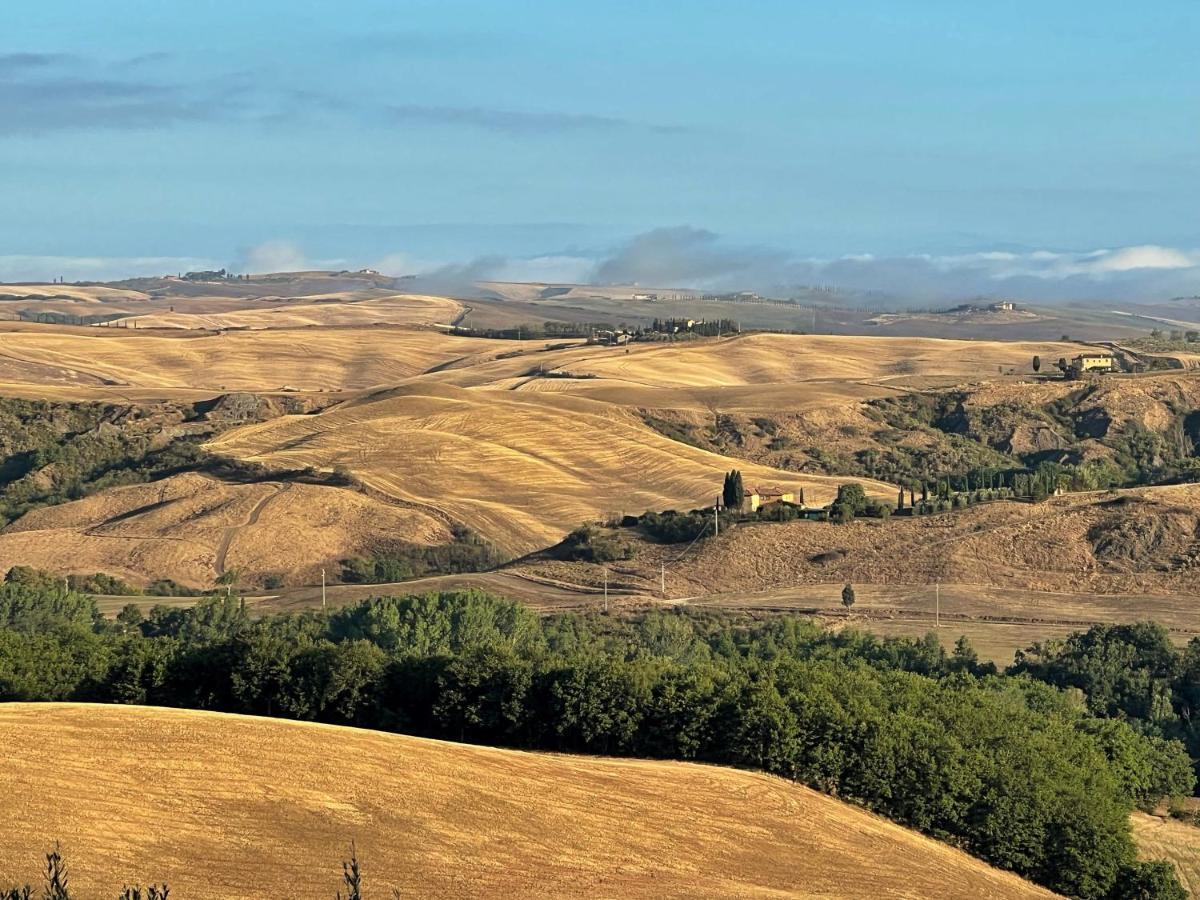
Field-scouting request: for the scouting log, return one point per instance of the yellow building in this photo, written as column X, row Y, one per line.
column 766, row 495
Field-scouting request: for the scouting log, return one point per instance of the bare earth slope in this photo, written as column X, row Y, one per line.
column 233, row 807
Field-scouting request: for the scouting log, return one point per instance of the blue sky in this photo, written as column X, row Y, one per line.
column 550, row 137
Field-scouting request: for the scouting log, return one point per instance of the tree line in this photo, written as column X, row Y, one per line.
column 1003, row 765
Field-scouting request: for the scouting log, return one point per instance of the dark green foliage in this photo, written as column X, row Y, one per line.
column 1132, row 673
column 29, row 605
column 671, row 527
column 151, row 892
column 165, row 587
column 591, row 544
column 851, row 501
column 1007, row 767
column 733, row 492
column 100, row 583
column 54, row 452
column 684, row 432
column 400, row 561
column 1148, row 881
column 57, row 881
column 848, row 596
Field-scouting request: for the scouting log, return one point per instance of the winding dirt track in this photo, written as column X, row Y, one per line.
column 233, row 530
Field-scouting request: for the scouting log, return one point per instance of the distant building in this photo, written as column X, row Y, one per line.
column 1003, row 306
column 765, row 495
column 611, row 338
column 650, row 297
column 1089, row 364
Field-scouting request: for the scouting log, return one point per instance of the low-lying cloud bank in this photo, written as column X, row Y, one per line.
column 688, row 257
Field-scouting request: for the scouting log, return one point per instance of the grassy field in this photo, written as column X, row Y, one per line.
column 228, row 807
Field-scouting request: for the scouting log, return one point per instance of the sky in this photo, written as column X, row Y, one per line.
column 928, row 147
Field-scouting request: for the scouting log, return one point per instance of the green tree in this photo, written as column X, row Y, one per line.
column 1148, row 881
column 848, row 596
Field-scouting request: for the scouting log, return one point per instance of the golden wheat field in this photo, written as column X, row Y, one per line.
column 519, row 440
column 339, row 309
column 227, row 807
column 521, row 469
column 784, row 358
column 316, row 359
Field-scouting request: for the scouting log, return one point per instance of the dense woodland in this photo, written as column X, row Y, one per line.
column 1035, row 770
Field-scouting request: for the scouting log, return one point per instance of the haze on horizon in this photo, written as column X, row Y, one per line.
column 927, row 150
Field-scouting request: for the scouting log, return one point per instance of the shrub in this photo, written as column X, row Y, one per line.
column 591, row 544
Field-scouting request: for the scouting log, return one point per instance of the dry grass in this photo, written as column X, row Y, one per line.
column 522, row 469
column 307, row 359
column 778, row 359
column 231, row 807
column 193, row 529
column 1043, row 547
column 338, row 309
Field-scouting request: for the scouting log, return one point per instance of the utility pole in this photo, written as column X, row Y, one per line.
column 937, row 604
column 606, row 591
column 717, row 521
column 322, row 587
column 662, row 574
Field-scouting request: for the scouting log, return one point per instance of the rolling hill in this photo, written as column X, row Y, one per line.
column 522, row 469
column 194, row 529
column 229, row 807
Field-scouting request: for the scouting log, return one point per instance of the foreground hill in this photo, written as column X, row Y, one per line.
column 232, row 807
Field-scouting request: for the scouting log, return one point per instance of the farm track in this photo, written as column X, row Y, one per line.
column 233, row 530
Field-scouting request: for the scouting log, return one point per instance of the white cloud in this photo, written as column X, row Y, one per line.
column 688, row 257
column 1147, row 257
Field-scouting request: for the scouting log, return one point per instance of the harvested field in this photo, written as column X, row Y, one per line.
column 229, row 807
column 779, row 358
column 193, row 529
column 522, row 469
column 269, row 360
column 327, row 310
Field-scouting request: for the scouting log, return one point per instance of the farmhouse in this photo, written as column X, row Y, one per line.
column 1089, row 363
column 765, row 495
column 1003, row 306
